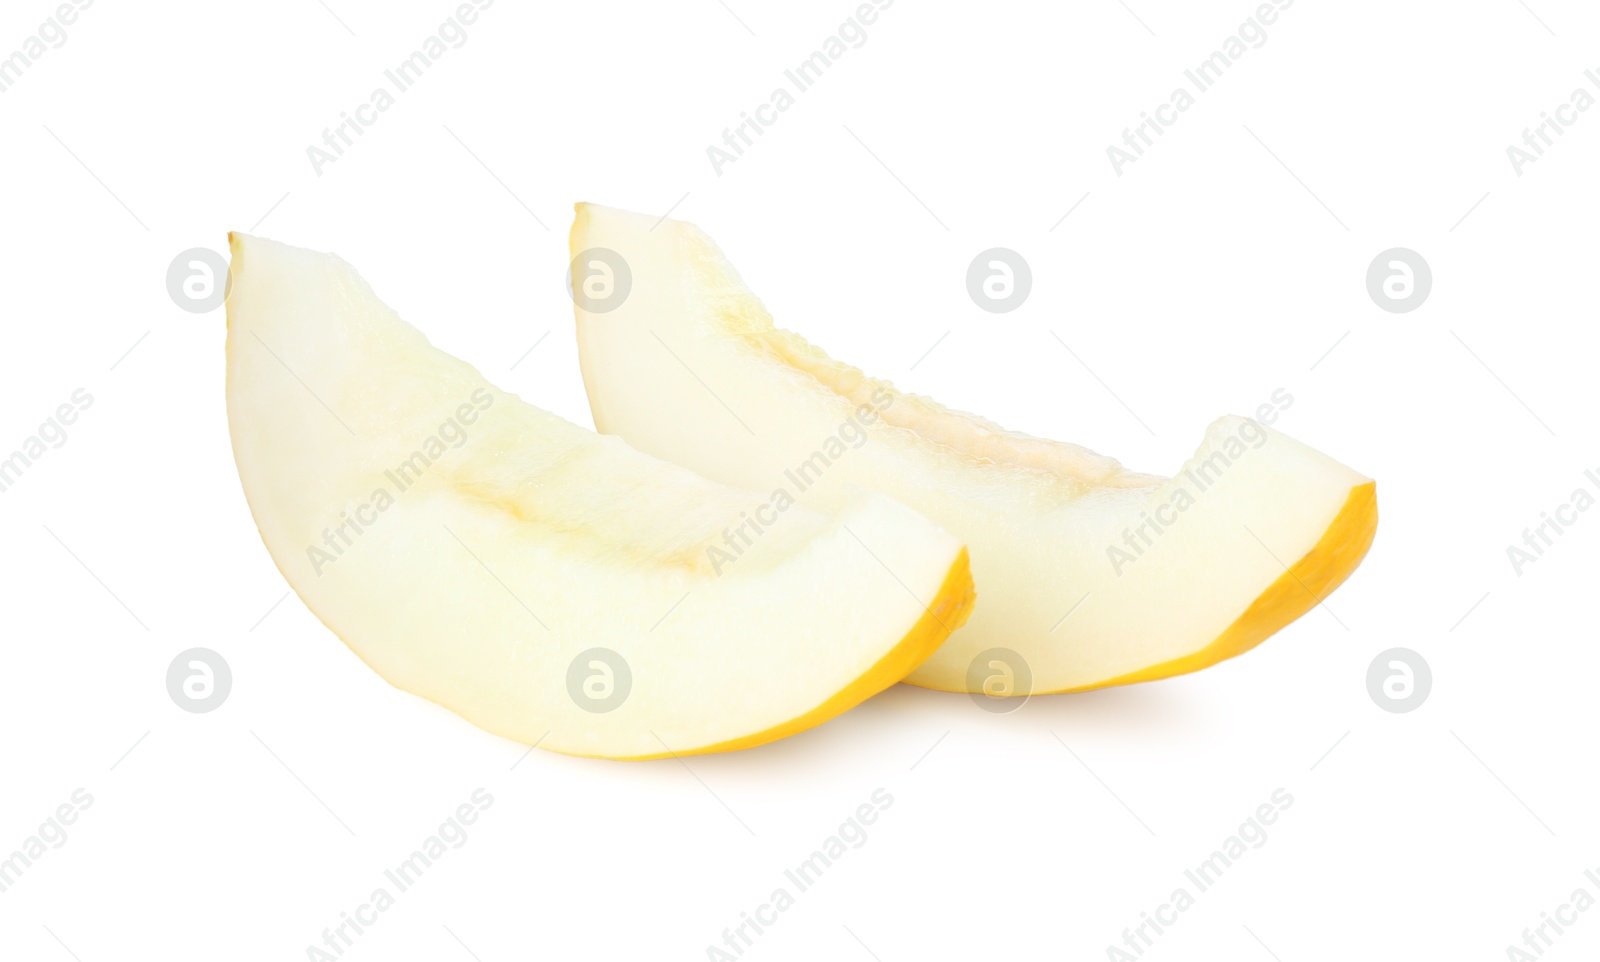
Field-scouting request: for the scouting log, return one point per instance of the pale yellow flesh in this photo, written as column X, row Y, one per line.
column 502, row 557
column 691, row 368
column 1300, row 588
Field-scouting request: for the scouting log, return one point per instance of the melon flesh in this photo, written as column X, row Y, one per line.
column 470, row 547
column 1092, row 574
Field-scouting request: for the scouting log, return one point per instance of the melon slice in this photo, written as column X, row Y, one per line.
column 1092, row 574
column 549, row 584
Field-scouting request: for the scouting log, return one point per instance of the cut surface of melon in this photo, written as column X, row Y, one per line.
column 547, row 583
column 1091, row 574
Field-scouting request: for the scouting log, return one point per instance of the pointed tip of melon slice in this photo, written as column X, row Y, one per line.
column 580, row 224
column 1301, row 587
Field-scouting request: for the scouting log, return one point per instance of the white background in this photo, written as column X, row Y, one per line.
column 1224, row 264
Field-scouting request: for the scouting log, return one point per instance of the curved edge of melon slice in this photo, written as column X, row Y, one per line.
column 1301, row 587
column 947, row 612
